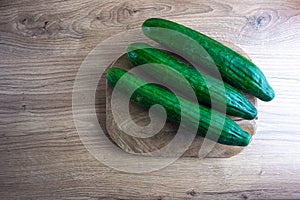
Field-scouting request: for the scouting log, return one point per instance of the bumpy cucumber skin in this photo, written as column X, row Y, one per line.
column 234, row 68
column 150, row 94
column 236, row 103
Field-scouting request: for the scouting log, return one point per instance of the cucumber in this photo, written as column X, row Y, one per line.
column 233, row 67
column 205, row 86
column 150, row 94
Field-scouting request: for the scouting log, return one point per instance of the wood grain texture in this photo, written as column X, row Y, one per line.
column 42, row 44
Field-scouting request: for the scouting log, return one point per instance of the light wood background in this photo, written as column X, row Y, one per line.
column 42, row 44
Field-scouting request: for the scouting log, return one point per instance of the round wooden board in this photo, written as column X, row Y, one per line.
column 136, row 145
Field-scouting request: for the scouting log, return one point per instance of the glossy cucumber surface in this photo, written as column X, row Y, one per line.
column 205, row 86
column 150, row 94
column 233, row 67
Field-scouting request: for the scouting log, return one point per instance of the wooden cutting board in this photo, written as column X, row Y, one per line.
column 140, row 116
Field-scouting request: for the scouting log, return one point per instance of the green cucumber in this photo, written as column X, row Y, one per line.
column 151, row 94
column 233, row 67
column 236, row 103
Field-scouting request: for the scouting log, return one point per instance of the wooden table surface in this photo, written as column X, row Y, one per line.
column 42, row 45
